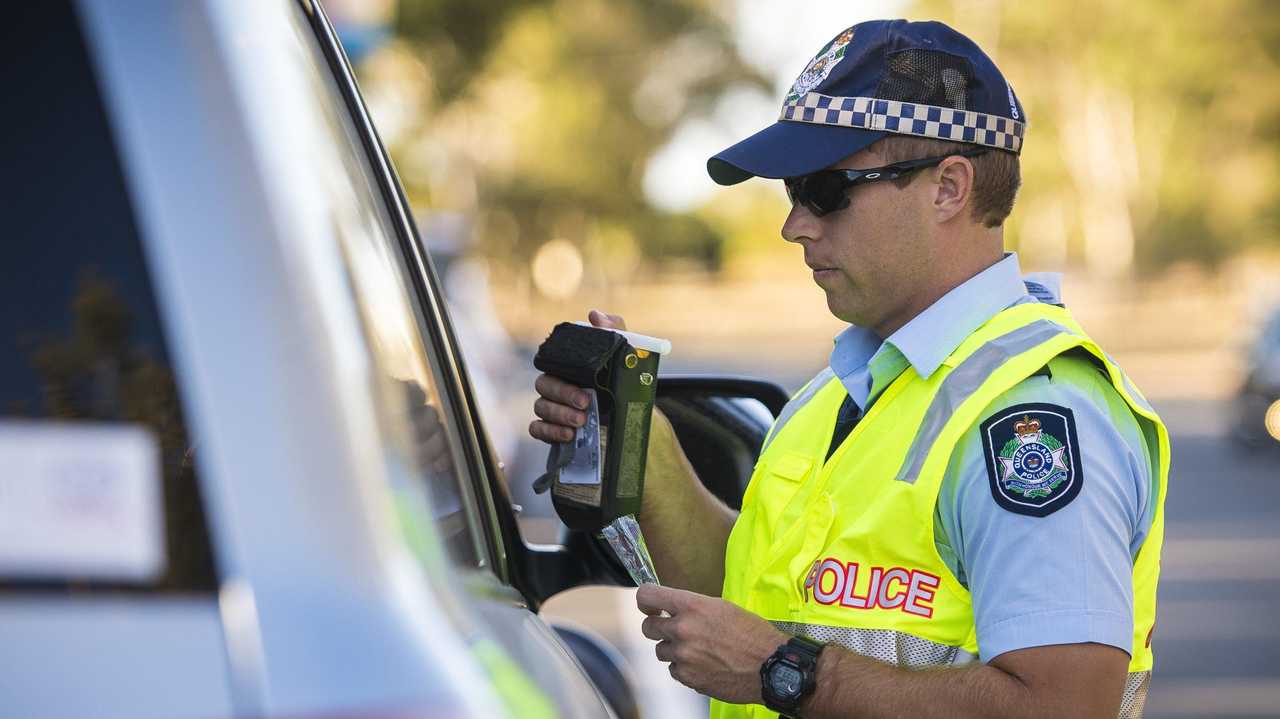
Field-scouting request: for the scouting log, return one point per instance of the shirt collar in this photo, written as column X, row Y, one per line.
column 855, row 347
column 934, row 334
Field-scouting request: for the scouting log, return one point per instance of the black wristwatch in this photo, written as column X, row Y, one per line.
column 789, row 676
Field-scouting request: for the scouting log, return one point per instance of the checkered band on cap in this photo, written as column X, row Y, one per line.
column 907, row 118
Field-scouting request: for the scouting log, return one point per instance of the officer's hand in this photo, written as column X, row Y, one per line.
column 606, row 320
column 714, row 647
column 561, row 404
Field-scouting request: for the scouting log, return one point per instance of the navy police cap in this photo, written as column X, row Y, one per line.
column 875, row 78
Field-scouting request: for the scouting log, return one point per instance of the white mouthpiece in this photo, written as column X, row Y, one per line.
column 639, row 341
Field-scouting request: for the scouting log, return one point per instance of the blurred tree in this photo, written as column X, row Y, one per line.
column 541, row 117
column 1154, row 132
column 455, row 37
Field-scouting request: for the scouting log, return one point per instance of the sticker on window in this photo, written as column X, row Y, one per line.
column 80, row 501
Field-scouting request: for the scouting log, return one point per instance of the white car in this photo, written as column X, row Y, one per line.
column 242, row 472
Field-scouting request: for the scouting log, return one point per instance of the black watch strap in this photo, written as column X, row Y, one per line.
column 798, row 657
column 810, row 647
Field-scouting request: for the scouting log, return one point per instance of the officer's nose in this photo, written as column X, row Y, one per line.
column 800, row 225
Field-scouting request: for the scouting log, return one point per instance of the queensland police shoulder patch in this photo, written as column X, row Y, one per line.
column 1033, row 458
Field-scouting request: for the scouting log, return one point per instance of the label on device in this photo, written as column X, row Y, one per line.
column 587, row 449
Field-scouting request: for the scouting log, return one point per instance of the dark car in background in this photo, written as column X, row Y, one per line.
column 1258, row 404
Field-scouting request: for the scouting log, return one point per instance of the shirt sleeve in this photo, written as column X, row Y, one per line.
column 1065, row 576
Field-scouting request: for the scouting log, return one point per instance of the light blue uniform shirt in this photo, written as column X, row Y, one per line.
column 1061, row 579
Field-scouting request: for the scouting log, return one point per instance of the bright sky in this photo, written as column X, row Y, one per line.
column 778, row 36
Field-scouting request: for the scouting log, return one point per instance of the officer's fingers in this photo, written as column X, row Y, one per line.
column 550, row 433
column 604, row 319
column 669, row 599
column 557, row 390
column 656, row 627
column 649, row 599
column 665, row 651
column 649, row 609
column 556, row 413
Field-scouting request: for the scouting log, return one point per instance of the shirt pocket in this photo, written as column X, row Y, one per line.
column 793, row 467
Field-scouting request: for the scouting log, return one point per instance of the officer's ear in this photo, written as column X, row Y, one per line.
column 952, row 188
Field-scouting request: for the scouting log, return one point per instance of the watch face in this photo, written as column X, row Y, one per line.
column 785, row 681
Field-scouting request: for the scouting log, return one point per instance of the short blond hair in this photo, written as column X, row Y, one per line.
column 996, row 174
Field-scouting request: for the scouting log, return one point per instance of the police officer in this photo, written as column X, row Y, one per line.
column 972, row 485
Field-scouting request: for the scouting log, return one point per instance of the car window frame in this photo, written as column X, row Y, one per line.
column 481, row 471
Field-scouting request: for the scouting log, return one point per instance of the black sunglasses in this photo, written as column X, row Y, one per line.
column 828, row 190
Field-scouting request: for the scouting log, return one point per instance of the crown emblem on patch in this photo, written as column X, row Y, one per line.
column 1026, row 427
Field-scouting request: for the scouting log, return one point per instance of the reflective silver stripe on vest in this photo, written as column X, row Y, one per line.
column 789, row 410
column 967, row 378
column 896, row 648
column 1135, row 695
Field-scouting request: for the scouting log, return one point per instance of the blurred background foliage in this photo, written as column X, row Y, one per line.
column 1155, row 127
column 536, row 119
column 1153, row 140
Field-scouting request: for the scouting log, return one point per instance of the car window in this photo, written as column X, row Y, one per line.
column 418, row 422
column 95, row 459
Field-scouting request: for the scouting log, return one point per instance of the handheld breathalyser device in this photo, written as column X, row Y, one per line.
column 596, row 480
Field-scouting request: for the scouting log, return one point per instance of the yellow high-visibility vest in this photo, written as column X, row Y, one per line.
column 842, row 550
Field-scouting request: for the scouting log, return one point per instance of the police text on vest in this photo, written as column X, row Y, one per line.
column 909, row 590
